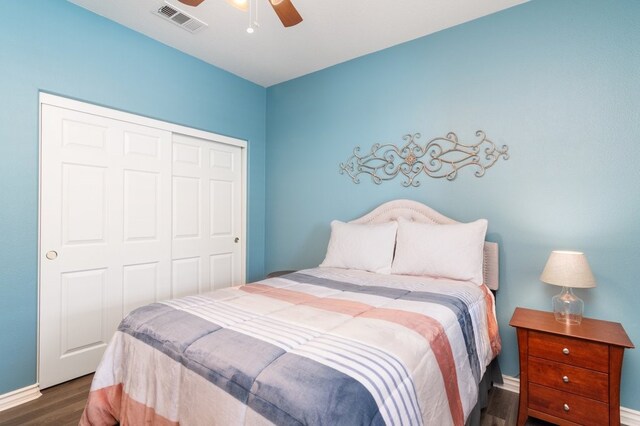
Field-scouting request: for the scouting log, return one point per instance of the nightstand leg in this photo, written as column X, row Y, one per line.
column 615, row 370
column 522, row 411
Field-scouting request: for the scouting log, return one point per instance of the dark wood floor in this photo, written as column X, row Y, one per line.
column 63, row 405
column 503, row 410
column 59, row 405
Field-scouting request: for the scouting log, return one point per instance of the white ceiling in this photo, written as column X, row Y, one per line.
column 333, row 31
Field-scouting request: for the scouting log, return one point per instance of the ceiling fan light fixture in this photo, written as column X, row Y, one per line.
column 239, row 4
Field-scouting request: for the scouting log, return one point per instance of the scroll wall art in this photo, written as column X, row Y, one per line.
column 441, row 157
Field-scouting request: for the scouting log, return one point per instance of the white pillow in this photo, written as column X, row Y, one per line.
column 441, row 251
column 358, row 246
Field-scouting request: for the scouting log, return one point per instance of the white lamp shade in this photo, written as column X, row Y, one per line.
column 568, row 269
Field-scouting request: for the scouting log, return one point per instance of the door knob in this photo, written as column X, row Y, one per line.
column 236, row 240
column 51, row 255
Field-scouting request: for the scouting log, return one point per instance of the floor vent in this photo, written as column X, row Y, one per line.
column 180, row 18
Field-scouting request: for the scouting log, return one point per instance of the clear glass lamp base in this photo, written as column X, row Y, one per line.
column 567, row 307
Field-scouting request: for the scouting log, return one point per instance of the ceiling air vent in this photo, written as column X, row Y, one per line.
column 180, row 18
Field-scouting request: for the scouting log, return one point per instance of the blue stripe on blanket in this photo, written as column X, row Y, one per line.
column 284, row 388
column 392, row 293
column 457, row 306
column 461, row 310
column 311, row 393
column 169, row 328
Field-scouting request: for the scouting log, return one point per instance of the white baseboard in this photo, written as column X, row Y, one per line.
column 628, row 416
column 511, row 384
column 19, row 396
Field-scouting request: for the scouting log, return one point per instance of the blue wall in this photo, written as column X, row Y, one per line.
column 55, row 46
column 557, row 81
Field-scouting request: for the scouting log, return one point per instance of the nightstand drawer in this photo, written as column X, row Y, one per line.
column 580, row 353
column 567, row 378
column 573, row 408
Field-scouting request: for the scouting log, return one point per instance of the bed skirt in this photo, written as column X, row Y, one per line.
column 492, row 375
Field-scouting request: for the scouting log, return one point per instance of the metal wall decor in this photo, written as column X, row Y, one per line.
column 441, row 157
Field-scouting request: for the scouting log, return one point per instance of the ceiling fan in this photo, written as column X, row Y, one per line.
column 285, row 10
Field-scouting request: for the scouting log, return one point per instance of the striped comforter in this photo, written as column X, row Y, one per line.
column 320, row 346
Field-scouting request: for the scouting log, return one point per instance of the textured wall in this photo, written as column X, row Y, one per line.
column 556, row 80
column 57, row 47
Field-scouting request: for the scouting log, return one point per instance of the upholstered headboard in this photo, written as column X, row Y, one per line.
column 418, row 212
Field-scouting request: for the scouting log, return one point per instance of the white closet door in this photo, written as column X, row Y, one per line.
column 207, row 225
column 105, row 235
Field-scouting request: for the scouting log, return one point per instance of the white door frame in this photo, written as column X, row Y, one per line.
column 62, row 102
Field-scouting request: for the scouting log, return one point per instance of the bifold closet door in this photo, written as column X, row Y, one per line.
column 207, row 216
column 105, row 237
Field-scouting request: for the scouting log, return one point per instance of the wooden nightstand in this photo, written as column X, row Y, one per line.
column 569, row 374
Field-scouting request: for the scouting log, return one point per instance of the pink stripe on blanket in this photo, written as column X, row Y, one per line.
column 294, row 297
column 342, row 306
column 492, row 323
column 433, row 332
column 110, row 406
column 348, row 307
column 424, row 325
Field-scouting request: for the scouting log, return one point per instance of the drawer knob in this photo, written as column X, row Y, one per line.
column 565, row 351
column 565, row 379
column 565, row 407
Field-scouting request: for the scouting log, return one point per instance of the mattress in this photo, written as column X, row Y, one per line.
column 320, row 346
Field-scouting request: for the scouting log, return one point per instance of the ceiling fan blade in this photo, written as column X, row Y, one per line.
column 287, row 12
column 191, row 2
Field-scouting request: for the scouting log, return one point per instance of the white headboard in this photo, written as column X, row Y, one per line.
column 418, row 212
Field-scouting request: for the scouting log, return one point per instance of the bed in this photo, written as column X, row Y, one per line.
column 326, row 346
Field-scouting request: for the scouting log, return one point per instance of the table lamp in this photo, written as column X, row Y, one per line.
column 568, row 269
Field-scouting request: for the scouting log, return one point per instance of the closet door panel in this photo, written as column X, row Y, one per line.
column 222, row 270
column 186, row 208
column 141, row 285
column 142, row 213
column 83, row 293
column 207, row 198
column 186, row 277
column 105, row 210
column 221, row 207
column 225, row 201
column 84, row 204
column 130, row 213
